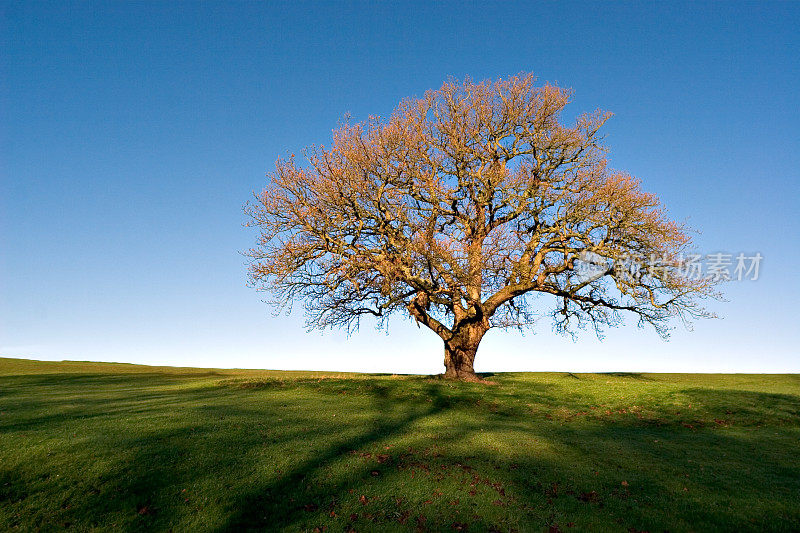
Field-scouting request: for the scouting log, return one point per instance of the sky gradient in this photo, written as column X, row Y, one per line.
column 132, row 134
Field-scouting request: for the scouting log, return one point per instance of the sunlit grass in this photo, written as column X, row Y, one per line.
column 95, row 446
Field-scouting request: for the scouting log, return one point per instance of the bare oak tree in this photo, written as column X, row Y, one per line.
column 460, row 208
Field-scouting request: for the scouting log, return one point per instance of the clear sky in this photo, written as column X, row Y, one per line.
column 132, row 133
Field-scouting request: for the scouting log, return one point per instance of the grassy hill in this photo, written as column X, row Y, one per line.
column 94, row 446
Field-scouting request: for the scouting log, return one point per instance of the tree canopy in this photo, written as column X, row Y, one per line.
column 459, row 209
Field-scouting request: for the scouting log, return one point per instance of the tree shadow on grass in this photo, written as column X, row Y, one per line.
column 194, row 458
column 150, row 467
column 633, row 375
column 548, row 491
column 266, row 506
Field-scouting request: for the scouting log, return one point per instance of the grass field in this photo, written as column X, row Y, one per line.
column 93, row 446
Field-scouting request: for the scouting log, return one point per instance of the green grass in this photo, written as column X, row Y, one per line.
column 94, row 446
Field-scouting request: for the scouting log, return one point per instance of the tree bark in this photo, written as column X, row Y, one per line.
column 459, row 353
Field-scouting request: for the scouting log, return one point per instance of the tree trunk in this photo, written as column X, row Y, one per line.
column 459, row 353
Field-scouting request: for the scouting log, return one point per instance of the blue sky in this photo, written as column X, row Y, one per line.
column 132, row 133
